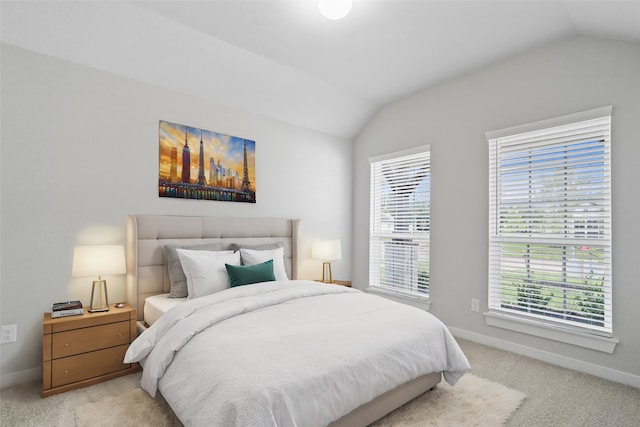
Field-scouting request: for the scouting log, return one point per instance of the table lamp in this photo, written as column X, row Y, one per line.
column 97, row 261
column 326, row 250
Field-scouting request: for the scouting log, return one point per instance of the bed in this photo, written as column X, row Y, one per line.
column 283, row 352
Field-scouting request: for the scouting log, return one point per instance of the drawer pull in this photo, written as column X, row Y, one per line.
column 66, row 371
column 66, row 344
column 120, row 335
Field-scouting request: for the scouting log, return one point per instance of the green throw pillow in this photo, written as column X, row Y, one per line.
column 247, row 274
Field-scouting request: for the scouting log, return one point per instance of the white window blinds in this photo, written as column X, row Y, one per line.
column 400, row 222
column 550, row 222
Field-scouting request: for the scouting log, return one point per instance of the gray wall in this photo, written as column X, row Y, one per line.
column 80, row 152
column 574, row 75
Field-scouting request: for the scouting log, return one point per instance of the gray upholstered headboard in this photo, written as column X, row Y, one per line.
column 147, row 234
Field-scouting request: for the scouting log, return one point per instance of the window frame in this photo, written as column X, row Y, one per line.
column 417, row 236
column 598, row 337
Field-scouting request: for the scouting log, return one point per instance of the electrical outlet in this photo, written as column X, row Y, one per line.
column 475, row 305
column 8, row 333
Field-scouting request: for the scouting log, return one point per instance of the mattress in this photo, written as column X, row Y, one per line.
column 157, row 305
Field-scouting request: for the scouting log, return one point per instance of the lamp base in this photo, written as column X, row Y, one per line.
column 98, row 302
column 326, row 272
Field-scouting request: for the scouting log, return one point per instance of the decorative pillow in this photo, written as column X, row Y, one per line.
column 260, row 247
column 177, row 278
column 255, row 256
column 205, row 270
column 248, row 274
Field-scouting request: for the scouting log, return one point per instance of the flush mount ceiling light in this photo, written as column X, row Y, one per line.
column 334, row 9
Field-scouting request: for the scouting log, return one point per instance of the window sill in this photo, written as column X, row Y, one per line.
column 526, row 326
column 414, row 300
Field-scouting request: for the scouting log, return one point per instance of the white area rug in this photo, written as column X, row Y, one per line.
column 472, row 402
column 133, row 408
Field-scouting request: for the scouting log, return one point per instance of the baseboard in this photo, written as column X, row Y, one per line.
column 632, row 380
column 20, row 377
column 555, row 359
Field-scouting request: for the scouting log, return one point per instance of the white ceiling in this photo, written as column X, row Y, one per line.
column 283, row 60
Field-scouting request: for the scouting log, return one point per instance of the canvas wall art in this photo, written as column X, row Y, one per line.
column 206, row 165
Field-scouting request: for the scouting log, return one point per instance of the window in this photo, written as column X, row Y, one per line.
column 400, row 223
column 550, row 222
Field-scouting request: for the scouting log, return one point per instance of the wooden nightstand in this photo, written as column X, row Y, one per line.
column 78, row 351
column 338, row 282
column 342, row 282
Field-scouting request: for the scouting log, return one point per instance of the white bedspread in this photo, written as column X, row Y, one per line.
column 291, row 353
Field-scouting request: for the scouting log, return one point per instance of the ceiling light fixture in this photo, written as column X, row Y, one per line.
column 334, row 9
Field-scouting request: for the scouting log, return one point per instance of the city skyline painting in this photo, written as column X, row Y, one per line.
column 219, row 167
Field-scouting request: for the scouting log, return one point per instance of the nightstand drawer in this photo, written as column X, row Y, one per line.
column 89, row 339
column 88, row 365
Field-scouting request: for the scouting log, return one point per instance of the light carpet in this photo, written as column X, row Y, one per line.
column 473, row 401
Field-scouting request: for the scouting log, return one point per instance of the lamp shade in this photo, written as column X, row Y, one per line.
column 98, row 260
column 327, row 250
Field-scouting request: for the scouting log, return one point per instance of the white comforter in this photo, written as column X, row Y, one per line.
column 294, row 353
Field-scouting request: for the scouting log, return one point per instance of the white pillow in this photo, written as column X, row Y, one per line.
column 258, row 256
column 205, row 270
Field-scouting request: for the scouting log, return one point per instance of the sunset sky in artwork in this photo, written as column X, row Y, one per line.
column 229, row 150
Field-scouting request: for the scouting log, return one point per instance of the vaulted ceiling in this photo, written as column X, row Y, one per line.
column 283, row 60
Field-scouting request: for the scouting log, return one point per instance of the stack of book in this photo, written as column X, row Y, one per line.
column 69, row 308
